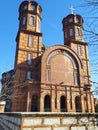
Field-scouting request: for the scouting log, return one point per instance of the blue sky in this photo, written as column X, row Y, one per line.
column 53, row 13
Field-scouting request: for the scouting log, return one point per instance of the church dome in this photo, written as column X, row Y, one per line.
column 32, row 6
column 73, row 18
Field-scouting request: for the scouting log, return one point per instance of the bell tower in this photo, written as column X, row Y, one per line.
column 30, row 16
column 29, row 38
column 28, row 52
column 73, row 28
column 73, row 37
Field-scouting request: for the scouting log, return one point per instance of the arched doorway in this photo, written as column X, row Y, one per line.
column 78, row 104
column 63, row 106
column 47, row 103
column 8, row 105
column 34, row 103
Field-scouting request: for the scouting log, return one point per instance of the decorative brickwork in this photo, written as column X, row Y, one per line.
column 56, row 79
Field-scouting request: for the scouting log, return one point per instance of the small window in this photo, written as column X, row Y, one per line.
column 76, row 78
column 48, row 75
column 79, row 50
column 31, row 20
column 30, row 41
column 24, row 20
column 29, row 58
column 25, row 7
column 32, row 7
column 78, row 32
column 28, row 75
column 71, row 32
column 65, row 34
column 70, row 20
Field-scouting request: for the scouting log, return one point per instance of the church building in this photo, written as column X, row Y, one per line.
column 54, row 79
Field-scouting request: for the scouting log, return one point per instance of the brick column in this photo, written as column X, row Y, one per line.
column 92, row 105
column 73, row 103
column 82, row 104
column 88, row 101
column 68, row 99
column 28, row 101
column 52, row 94
column 41, row 103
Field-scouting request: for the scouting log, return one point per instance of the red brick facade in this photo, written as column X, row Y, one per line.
column 57, row 79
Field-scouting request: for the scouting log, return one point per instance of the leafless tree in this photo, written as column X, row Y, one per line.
column 7, row 86
column 91, row 15
column 90, row 9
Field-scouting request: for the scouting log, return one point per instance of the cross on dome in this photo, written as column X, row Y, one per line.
column 72, row 9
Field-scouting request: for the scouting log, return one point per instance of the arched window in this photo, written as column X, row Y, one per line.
column 76, row 77
column 25, row 7
column 8, row 105
column 30, row 40
column 24, row 20
column 71, row 32
column 78, row 104
column 31, row 20
column 48, row 75
column 29, row 58
column 63, row 105
column 28, row 76
column 70, row 20
column 67, row 60
column 34, row 103
column 47, row 103
column 78, row 32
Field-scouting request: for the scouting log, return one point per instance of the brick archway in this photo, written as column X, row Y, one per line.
column 68, row 59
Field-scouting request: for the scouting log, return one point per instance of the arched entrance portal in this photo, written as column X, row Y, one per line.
column 63, row 106
column 47, row 103
column 34, row 103
column 78, row 104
